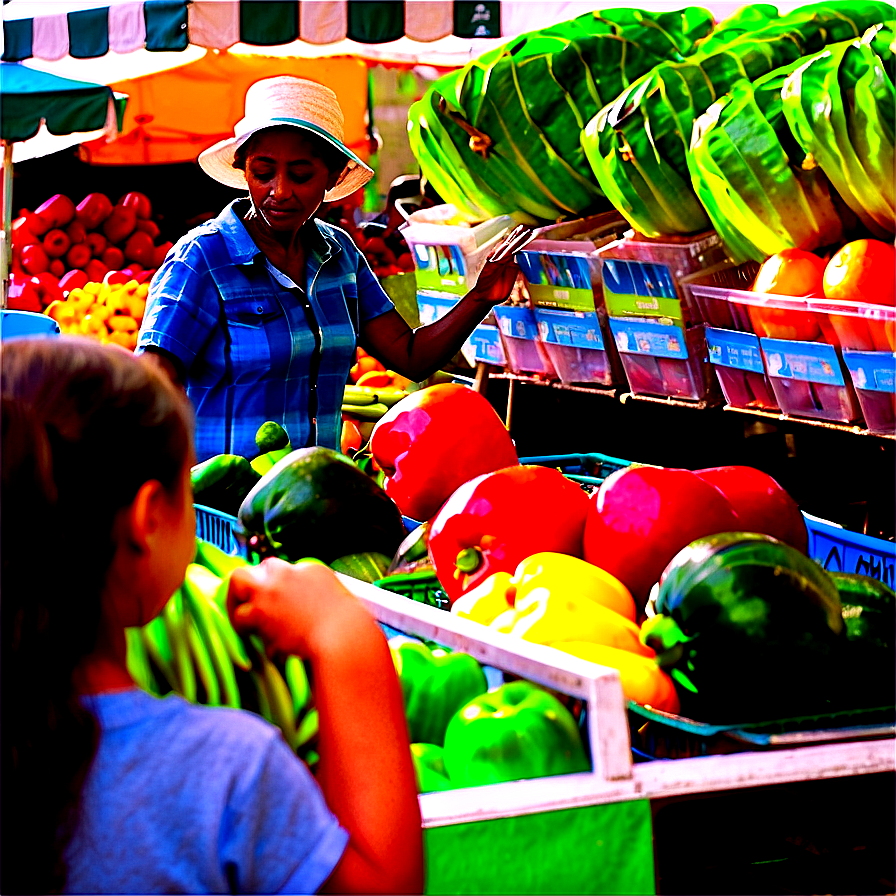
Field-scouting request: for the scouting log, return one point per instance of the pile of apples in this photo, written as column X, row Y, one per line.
column 61, row 246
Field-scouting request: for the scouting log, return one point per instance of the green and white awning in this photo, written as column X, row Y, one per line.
column 53, row 29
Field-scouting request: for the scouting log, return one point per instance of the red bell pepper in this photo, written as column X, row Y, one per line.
column 496, row 520
column 139, row 202
column 433, row 441
column 139, row 248
column 120, row 224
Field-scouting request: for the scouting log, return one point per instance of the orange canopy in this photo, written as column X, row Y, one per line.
column 174, row 114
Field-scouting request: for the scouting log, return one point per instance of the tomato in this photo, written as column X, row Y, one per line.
column 791, row 272
column 862, row 271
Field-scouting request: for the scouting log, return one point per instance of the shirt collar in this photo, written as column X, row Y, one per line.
column 243, row 250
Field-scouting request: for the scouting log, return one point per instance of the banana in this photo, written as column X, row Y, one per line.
column 366, row 412
column 138, row 661
column 390, row 396
column 280, row 701
column 308, row 730
column 360, row 395
column 215, row 560
column 297, row 681
column 202, row 610
column 202, row 663
column 155, row 639
column 234, row 644
column 183, row 666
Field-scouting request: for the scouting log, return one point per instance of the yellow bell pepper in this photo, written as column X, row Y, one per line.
column 487, row 600
column 552, row 570
column 559, row 611
column 642, row 679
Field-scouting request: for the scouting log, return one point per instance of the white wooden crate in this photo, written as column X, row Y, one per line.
column 614, row 777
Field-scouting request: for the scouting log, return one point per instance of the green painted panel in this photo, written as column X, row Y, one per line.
column 606, row 849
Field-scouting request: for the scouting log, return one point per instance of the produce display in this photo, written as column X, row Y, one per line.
column 61, row 247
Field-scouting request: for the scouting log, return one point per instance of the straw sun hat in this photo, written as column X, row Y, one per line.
column 287, row 100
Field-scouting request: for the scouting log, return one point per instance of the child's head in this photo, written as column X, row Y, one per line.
column 94, row 442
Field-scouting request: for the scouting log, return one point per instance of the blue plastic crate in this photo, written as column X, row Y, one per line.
column 218, row 528
column 841, row 550
column 589, row 469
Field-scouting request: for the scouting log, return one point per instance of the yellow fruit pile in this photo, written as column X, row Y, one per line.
column 108, row 312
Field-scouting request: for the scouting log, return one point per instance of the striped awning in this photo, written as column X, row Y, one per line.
column 53, row 29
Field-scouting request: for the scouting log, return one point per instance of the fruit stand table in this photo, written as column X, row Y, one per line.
column 596, row 832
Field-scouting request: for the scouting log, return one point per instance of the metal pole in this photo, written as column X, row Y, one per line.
column 6, row 233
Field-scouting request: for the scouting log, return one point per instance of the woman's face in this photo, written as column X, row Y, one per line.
column 287, row 181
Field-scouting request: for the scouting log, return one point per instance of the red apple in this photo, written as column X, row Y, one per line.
column 56, row 243
column 78, row 255
column 139, row 247
column 93, row 209
column 57, row 211
column 641, row 517
column 760, row 503
column 113, row 258
column 34, row 259
column 97, row 243
column 72, row 279
column 120, row 224
column 139, row 202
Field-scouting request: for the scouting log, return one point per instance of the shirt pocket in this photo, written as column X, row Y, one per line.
column 251, row 311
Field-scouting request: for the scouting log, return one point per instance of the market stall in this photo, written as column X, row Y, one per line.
column 703, row 611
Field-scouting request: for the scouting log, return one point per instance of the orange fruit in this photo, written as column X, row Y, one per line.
column 375, row 379
column 862, row 271
column 364, row 365
column 351, row 440
column 791, row 272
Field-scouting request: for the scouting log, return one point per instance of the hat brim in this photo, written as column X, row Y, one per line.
column 217, row 162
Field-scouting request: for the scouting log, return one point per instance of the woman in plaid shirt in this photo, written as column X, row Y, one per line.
column 258, row 312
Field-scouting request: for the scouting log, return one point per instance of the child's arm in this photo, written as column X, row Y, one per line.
column 366, row 772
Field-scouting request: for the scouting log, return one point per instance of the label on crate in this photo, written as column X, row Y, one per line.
column 814, row 362
column 517, row 322
column 645, row 337
column 431, row 308
column 440, row 268
column 576, row 328
column 558, row 279
column 640, row 288
column 872, row 371
column 485, row 345
column 730, row 348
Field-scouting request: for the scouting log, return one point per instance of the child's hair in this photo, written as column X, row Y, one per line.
column 83, row 427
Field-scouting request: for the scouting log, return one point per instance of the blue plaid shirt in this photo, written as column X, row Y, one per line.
column 244, row 339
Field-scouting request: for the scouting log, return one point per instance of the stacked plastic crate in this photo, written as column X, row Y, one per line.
column 659, row 335
column 448, row 259
column 812, row 358
column 566, row 311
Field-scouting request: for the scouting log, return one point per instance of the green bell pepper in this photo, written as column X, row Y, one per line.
column 429, row 768
column 517, row 731
column 435, row 684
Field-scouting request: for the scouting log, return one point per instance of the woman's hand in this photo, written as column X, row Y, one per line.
column 496, row 281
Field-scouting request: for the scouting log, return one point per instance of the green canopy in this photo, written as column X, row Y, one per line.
column 30, row 96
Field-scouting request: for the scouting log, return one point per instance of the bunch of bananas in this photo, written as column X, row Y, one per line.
column 369, row 402
column 192, row 649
